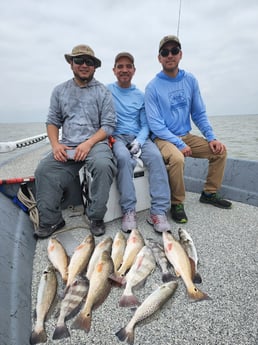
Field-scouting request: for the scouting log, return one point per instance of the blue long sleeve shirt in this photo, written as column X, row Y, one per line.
column 130, row 112
column 170, row 105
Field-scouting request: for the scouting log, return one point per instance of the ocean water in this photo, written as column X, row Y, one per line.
column 238, row 132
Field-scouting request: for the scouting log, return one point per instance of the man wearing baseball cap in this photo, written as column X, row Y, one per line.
column 82, row 108
column 133, row 143
column 172, row 100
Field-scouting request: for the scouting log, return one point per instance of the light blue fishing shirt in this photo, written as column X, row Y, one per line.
column 130, row 111
column 81, row 111
column 170, row 105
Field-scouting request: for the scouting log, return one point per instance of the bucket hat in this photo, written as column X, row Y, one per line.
column 83, row 49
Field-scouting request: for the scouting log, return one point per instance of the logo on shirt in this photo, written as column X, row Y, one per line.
column 177, row 99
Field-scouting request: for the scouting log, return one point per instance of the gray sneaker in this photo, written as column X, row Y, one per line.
column 129, row 221
column 159, row 222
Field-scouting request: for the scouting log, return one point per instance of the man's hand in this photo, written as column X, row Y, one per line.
column 186, row 151
column 134, row 147
column 59, row 152
column 217, row 147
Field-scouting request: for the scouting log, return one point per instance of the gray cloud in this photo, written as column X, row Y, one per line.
column 219, row 42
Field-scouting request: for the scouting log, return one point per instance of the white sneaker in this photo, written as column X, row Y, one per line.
column 129, row 221
column 159, row 222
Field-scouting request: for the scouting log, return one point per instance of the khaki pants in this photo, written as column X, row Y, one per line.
column 175, row 160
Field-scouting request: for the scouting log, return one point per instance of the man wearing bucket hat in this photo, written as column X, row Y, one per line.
column 82, row 107
column 133, row 142
column 172, row 99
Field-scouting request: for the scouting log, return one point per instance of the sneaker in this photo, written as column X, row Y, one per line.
column 159, row 222
column 178, row 213
column 97, row 227
column 129, row 221
column 46, row 231
column 215, row 200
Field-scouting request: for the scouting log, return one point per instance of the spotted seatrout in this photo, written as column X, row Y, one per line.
column 187, row 243
column 179, row 259
column 80, row 258
column 99, row 289
column 149, row 306
column 161, row 260
column 142, row 267
column 45, row 297
column 134, row 244
column 70, row 305
column 104, row 245
column 58, row 257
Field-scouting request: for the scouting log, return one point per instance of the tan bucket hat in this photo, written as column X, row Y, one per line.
column 83, row 49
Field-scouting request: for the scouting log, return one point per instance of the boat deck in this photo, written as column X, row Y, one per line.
column 226, row 242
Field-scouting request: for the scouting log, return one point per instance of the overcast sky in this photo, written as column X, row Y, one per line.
column 219, row 42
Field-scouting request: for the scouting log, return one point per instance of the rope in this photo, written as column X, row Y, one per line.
column 27, row 198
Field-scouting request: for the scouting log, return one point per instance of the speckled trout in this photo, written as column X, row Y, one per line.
column 149, row 306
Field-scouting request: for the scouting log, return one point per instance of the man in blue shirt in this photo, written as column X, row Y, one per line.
column 131, row 142
column 172, row 99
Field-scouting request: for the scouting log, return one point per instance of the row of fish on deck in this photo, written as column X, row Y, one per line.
column 93, row 269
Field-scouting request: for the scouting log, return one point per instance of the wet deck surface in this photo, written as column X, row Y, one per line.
column 226, row 241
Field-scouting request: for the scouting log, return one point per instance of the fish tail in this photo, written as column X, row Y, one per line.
column 38, row 337
column 128, row 301
column 197, row 279
column 122, row 334
column 61, row 332
column 82, row 322
column 197, row 294
column 168, row 277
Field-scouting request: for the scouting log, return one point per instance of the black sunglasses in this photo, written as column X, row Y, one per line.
column 81, row 60
column 174, row 51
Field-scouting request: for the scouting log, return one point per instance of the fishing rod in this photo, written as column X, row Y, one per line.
column 179, row 17
column 8, row 146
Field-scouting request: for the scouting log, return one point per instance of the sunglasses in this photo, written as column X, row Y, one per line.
column 174, row 51
column 81, row 60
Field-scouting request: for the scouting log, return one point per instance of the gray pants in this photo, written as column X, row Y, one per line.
column 54, row 177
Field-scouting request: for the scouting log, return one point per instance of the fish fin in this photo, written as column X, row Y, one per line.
column 121, row 334
column 197, row 278
column 38, row 337
column 82, row 322
column 168, row 277
column 117, row 280
column 128, row 301
column 198, row 295
column 61, row 332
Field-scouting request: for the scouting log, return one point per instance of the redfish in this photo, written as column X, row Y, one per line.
column 179, row 259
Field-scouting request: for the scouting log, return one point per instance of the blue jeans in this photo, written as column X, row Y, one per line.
column 158, row 177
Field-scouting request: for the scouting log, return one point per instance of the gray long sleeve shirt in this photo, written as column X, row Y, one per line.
column 81, row 111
